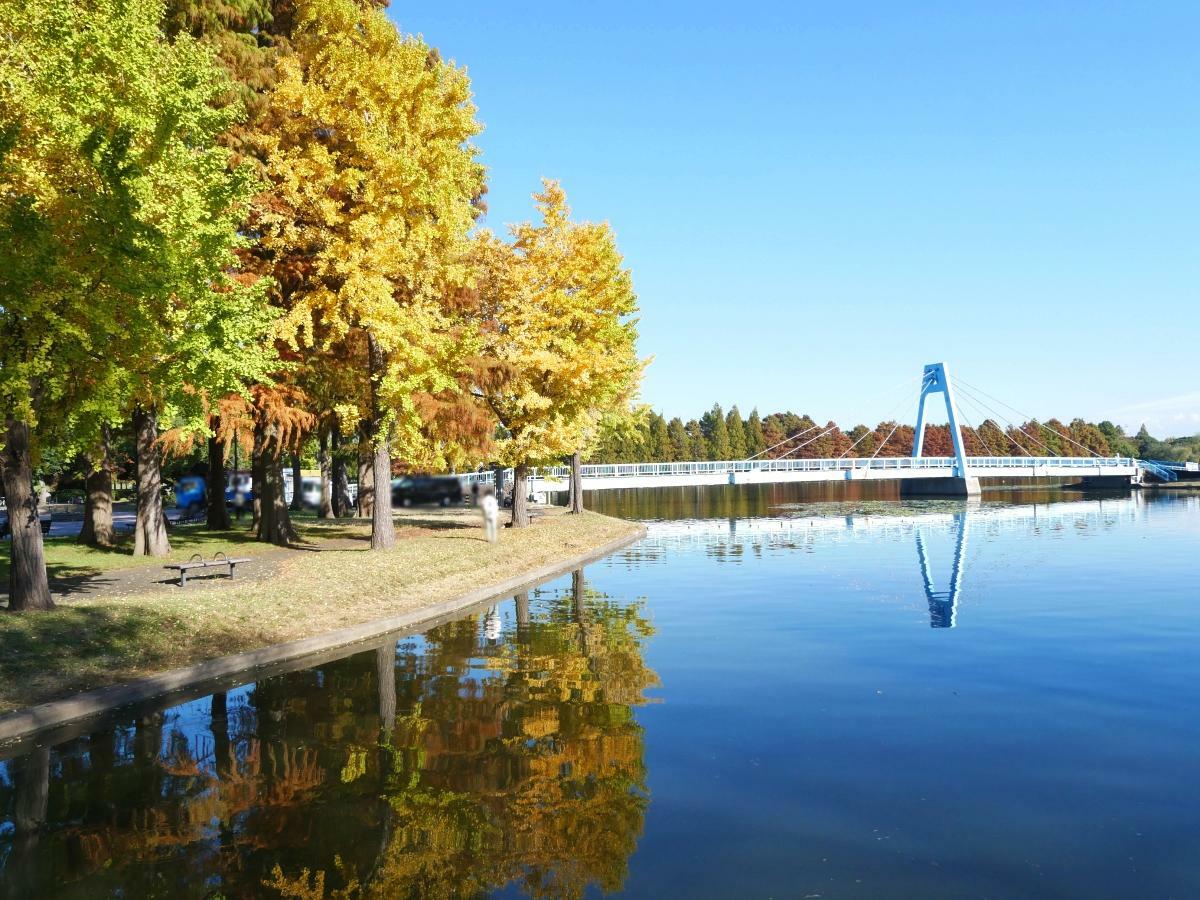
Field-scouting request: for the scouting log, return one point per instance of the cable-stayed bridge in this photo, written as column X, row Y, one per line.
column 957, row 475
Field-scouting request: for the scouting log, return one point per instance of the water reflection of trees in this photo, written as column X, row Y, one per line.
column 745, row 501
column 731, row 501
column 446, row 766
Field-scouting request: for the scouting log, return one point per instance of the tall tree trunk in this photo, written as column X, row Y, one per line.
column 258, row 474
column 297, row 477
column 97, row 530
column 32, row 791
column 577, row 595
column 150, row 527
column 28, row 585
column 579, row 610
column 31, row 796
column 520, row 497
column 498, row 481
column 326, row 476
column 274, row 521
column 365, row 501
column 218, row 511
column 341, row 483
column 576, row 483
column 341, row 488
column 523, row 620
column 385, row 669
column 219, row 724
column 383, row 529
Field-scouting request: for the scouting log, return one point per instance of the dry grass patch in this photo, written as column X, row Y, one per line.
column 332, row 582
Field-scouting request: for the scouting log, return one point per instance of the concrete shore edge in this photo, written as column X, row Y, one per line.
column 22, row 724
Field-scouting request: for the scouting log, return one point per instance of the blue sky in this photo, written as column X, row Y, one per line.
column 817, row 198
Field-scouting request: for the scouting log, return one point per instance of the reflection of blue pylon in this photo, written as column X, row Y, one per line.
column 936, row 380
column 943, row 605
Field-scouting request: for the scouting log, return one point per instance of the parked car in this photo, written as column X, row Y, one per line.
column 412, row 489
column 45, row 520
column 239, row 489
column 310, row 492
column 190, row 494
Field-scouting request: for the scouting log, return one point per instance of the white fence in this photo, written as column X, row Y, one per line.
column 616, row 475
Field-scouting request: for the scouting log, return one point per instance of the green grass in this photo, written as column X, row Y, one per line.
column 109, row 635
column 69, row 562
column 66, row 559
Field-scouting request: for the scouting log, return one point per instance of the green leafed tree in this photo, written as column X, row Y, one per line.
column 681, row 447
column 660, row 439
column 717, row 432
column 373, row 182
column 756, row 441
column 558, row 307
column 1118, row 442
column 737, row 434
column 697, row 441
column 118, row 222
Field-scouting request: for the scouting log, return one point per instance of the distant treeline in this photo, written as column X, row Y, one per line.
column 720, row 435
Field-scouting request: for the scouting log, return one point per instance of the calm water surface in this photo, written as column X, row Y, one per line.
column 772, row 695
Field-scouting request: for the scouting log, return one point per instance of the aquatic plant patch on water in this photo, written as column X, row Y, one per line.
column 877, row 507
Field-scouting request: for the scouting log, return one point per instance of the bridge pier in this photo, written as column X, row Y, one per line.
column 940, row 487
column 1106, row 482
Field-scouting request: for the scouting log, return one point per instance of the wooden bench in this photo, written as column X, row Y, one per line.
column 199, row 562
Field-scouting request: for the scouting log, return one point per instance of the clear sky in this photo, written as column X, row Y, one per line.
column 817, row 198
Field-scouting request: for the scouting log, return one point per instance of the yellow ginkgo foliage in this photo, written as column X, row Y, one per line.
column 558, row 309
column 373, row 187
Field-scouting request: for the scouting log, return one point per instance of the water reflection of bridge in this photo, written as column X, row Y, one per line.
column 873, row 521
column 943, row 605
column 732, row 540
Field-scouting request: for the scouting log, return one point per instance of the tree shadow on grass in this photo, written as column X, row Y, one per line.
column 332, row 529
column 435, row 523
column 49, row 654
column 67, row 580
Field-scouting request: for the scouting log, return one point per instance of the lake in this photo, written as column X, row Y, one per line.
column 777, row 693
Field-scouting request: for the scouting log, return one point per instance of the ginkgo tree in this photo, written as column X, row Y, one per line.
column 118, row 220
column 373, row 182
column 557, row 308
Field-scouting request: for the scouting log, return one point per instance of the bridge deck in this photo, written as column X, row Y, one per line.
column 645, row 475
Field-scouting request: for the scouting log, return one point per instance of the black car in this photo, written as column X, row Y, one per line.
column 411, row 489
column 44, row 519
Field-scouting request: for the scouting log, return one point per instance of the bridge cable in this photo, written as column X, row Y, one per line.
column 896, row 408
column 1032, row 419
column 986, row 416
column 781, row 443
column 886, row 393
column 809, row 441
column 1010, row 425
column 975, row 431
column 885, row 440
column 923, row 377
column 1020, row 429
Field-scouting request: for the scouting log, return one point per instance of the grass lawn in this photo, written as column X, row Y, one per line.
column 72, row 565
column 116, row 620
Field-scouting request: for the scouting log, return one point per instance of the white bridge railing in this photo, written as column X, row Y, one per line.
column 1018, row 465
